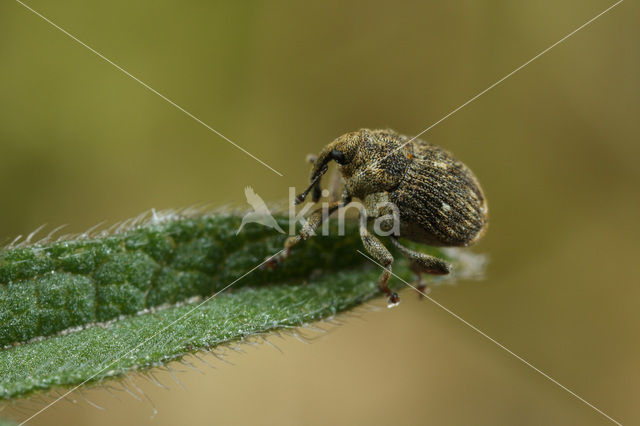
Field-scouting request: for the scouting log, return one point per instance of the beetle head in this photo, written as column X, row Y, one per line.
column 342, row 151
column 369, row 161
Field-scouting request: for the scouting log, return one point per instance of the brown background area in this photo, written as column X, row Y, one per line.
column 556, row 147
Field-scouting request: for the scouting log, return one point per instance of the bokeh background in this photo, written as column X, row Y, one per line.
column 556, row 147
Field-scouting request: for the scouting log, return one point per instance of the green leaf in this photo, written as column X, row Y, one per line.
column 7, row 422
column 88, row 309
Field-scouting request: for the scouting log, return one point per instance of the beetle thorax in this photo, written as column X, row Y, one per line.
column 378, row 164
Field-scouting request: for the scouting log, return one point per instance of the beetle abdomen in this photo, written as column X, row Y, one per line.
column 440, row 200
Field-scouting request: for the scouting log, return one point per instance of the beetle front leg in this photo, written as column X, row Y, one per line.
column 313, row 222
column 380, row 253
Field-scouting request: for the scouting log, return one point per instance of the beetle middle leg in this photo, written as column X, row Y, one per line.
column 381, row 254
column 422, row 263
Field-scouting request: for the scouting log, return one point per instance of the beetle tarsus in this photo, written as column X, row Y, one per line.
column 272, row 262
column 392, row 297
column 393, row 300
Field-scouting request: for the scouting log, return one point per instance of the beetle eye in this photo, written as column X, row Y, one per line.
column 338, row 157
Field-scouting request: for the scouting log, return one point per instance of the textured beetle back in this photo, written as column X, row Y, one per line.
column 440, row 200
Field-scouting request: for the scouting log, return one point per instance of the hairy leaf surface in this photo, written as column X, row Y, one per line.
column 83, row 310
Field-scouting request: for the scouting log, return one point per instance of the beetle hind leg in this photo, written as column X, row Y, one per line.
column 422, row 263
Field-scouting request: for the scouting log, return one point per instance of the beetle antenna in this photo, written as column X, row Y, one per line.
column 314, row 185
column 319, row 169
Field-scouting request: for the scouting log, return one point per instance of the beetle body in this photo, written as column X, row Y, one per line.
column 438, row 199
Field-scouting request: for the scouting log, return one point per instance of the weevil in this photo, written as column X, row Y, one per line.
column 438, row 200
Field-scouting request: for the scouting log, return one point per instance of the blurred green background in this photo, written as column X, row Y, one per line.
column 556, row 147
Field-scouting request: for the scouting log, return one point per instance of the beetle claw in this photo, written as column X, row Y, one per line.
column 394, row 300
column 271, row 262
